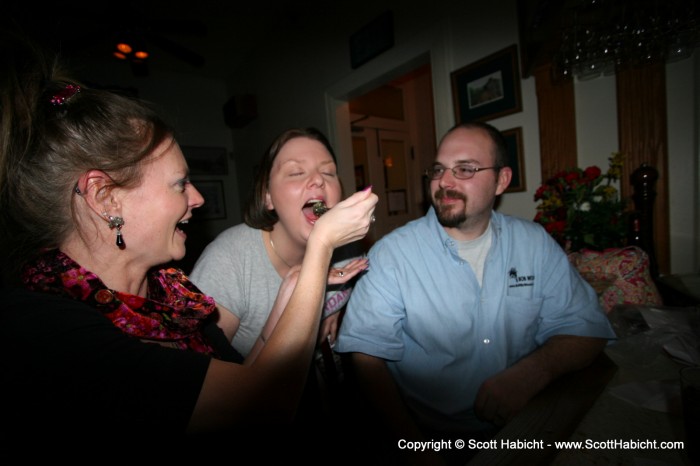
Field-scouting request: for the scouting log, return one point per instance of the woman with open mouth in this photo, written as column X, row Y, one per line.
column 244, row 266
column 102, row 343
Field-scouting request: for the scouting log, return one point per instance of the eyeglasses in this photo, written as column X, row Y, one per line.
column 461, row 172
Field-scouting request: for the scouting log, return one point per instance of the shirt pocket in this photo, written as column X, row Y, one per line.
column 522, row 321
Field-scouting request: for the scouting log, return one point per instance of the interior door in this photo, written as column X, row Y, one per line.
column 383, row 159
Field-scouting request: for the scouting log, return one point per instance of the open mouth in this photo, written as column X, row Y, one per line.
column 182, row 226
column 314, row 208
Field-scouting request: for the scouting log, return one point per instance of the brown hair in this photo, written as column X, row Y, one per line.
column 500, row 147
column 45, row 147
column 256, row 214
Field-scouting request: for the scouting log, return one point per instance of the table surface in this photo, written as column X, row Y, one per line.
column 582, row 407
column 612, row 418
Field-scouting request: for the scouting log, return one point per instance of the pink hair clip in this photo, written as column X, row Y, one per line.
column 64, row 94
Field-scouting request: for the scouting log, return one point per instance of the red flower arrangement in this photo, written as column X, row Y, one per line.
column 582, row 209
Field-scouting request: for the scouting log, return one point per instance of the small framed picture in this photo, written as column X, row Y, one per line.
column 514, row 141
column 214, row 200
column 488, row 88
column 397, row 201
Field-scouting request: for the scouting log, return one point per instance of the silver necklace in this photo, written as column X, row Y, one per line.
column 272, row 244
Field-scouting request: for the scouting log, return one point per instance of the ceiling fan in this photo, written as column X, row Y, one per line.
column 133, row 42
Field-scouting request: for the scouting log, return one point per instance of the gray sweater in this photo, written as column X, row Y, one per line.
column 236, row 270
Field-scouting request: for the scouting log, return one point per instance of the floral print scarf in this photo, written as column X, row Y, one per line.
column 174, row 311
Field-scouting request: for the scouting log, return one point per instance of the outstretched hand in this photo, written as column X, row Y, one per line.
column 340, row 275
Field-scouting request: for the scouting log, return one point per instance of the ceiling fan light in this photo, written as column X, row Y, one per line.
column 141, row 54
column 119, row 55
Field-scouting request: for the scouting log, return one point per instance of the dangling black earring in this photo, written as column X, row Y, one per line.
column 118, row 223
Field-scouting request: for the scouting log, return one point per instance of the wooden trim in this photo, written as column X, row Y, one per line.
column 557, row 121
column 643, row 138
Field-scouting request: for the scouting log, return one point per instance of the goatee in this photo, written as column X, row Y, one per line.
column 445, row 214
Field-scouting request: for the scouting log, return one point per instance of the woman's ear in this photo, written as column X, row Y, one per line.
column 95, row 186
column 268, row 201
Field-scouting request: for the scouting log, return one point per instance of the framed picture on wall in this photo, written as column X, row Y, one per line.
column 214, row 200
column 206, row 160
column 488, row 88
column 514, row 141
column 397, row 202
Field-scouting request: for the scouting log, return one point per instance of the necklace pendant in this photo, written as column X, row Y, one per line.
column 272, row 245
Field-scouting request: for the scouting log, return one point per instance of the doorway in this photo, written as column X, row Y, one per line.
column 382, row 159
column 393, row 141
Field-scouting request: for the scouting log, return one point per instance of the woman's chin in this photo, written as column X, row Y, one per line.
column 179, row 253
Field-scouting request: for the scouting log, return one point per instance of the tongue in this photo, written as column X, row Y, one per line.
column 309, row 213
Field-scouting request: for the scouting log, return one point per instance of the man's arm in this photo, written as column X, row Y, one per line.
column 503, row 395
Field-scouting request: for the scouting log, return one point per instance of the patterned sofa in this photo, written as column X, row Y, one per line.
column 618, row 275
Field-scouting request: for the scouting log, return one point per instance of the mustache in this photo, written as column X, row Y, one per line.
column 442, row 193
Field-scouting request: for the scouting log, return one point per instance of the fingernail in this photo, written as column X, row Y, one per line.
column 368, row 188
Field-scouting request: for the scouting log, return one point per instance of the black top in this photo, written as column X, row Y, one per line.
column 66, row 369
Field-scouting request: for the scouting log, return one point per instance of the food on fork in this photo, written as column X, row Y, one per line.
column 320, row 208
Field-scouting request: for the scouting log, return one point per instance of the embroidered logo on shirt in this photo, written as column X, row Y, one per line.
column 515, row 280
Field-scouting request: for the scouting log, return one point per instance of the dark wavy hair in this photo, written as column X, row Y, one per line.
column 256, row 214
column 45, row 147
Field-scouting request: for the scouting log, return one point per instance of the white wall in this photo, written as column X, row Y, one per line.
column 683, row 100
column 305, row 78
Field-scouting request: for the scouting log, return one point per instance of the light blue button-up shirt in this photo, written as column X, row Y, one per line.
column 420, row 307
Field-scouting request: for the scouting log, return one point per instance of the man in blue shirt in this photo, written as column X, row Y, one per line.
column 465, row 314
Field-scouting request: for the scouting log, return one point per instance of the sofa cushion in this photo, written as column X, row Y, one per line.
column 618, row 275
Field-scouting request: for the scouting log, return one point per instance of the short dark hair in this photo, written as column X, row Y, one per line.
column 256, row 214
column 500, row 148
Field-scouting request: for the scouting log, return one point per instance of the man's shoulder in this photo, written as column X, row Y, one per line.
column 407, row 242
column 414, row 228
column 514, row 232
column 515, row 223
